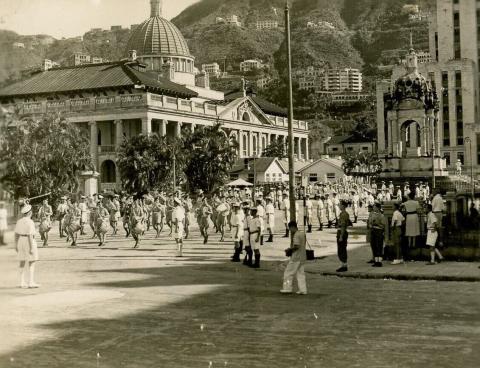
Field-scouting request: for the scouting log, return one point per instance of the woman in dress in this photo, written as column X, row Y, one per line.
column 412, row 226
column 26, row 247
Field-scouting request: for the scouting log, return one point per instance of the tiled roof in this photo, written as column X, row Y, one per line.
column 261, row 165
column 90, row 77
column 297, row 165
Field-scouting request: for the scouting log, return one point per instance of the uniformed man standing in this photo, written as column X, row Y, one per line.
column 355, row 205
column 270, row 213
column 320, row 212
column 286, row 213
column 237, row 222
column 342, row 237
column 308, row 212
column 256, row 230
column 62, row 209
column 261, row 215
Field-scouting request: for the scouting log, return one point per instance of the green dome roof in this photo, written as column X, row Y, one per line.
column 158, row 36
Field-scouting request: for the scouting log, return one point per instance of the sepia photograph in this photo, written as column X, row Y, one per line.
column 239, row 183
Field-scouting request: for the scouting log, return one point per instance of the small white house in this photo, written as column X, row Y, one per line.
column 322, row 170
column 259, row 170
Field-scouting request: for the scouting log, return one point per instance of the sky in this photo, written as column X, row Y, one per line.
column 67, row 18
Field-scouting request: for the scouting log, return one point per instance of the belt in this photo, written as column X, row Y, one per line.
column 24, row 235
column 437, row 211
column 412, row 213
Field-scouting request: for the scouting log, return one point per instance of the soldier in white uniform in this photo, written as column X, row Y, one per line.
column 84, row 213
column 308, row 212
column 355, row 205
column 256, row 230
column 320, row 212
column 261, row 215
column 270, row 213
column 330, row 210
column 178, row 223
column 286, row 213
column 237, row 223
column 247, row 219
column 62, row 209
column 336, row 204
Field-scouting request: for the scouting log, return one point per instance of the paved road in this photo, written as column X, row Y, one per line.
column 119, row 307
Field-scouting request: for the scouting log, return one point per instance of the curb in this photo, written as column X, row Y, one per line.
column 400, row 277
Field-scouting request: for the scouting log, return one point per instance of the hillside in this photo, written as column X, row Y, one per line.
column 359, row 33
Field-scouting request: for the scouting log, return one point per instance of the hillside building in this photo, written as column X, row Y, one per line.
column 116, row 28
column 153, row 91
column 49, row 64
column 249, row 65
column 18, row 45
column 266, row 24
column 348, row 98
column 233, row 21
column 212, row 69
column 79, row 58
column 346, row 79
column 347, row 144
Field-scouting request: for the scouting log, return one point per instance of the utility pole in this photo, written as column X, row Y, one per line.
column 174, row 173
column 291, row 169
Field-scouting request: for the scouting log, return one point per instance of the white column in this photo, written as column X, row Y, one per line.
column 94, row 142
column 192, row 127
column 299, row 148
column 307, row 150
column 147, row 126
column 118, row 133
column 178, row 129
column 240, row 143
column 163, row 128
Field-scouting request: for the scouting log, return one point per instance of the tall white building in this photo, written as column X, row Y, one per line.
column 212, row 69
column 249, row 65
column 266, row 24
column 346, row 79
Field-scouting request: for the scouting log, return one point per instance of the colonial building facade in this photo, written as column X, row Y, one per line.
column 153, row 91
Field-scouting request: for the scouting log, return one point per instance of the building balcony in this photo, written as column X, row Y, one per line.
column 107, row 150
column 79, row 106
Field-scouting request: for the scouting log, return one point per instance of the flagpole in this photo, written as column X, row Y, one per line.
column 291, row 169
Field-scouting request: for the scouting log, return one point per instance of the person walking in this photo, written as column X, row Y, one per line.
column 102, row 221
column 62, row 210
column 26, row 247
column 45, row 216
column 178, row 222
column 432, row 236
column 84, row 214
column 296, row 265
column 377, row 236
column 397, row 222
column 342, row 236
column 438, row 208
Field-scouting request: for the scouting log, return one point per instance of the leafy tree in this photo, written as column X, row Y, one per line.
column 210, row 158
column 146, row 163
column 363, row 164
column 275, row 149
column 42, row 156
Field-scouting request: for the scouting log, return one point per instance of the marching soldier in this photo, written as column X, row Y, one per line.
column 320, row 212
column 178, row 222
column 102, row 220
column 61, row 212
column 355, row 205
column 286, row 213
column 261, row 215
column 83, row 214
column 44, row 214
column 255, row 229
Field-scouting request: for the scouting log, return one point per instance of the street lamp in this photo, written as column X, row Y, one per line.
column 469, row 141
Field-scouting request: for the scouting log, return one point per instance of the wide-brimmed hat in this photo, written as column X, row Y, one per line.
column 26, row 209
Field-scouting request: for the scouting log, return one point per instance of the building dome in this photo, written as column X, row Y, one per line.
column 414, row 86
column 158, row 36
column 161, row 46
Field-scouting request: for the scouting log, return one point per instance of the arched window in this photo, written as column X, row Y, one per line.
column 246, row 116
column 108, row 172
column 254, row 141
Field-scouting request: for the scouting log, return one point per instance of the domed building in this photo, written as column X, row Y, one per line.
column 153, row 91
column 160, row 45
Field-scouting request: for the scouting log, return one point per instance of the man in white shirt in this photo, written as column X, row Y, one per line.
column 308, row 212
column 296, row 265
column 261, row 215
column 178, row 221
column 286, row 213
column 270, row 213
column 355, row 205
column 237, row 222
column 438, row 208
